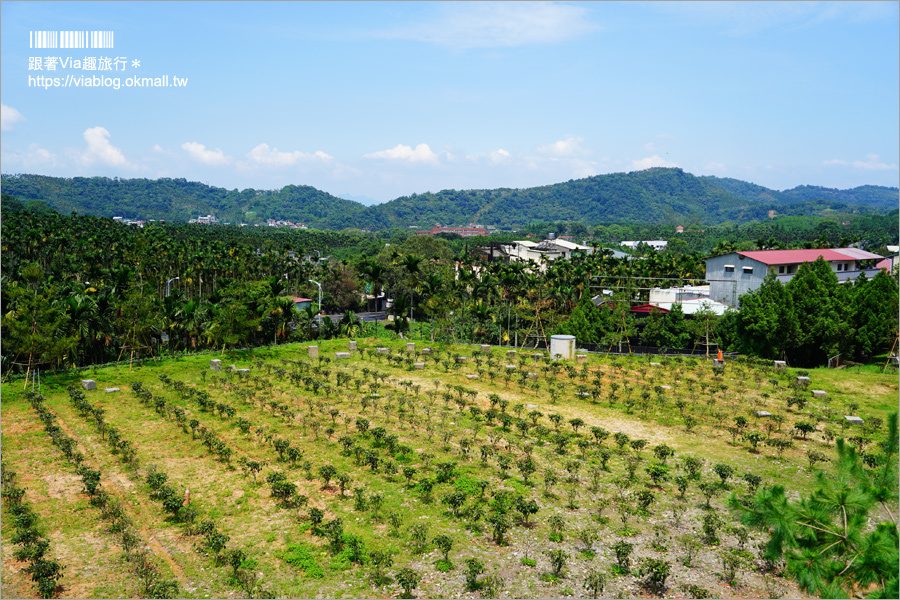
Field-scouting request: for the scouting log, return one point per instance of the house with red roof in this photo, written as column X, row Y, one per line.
column 736, row 273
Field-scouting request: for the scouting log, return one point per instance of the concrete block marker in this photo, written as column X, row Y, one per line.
column 462, row 359
column 110, row 390
column 215, row 364
column 853, row 420
column 485, row 348
column 352, row 345
column 411, row 346
column 581, row 358
column 653, row 364
column 718, row 363
column 779, row 365
column 763, row 413
column 241, row 371
column 511, row 367
column 511, row 353
column 382, row 350
column 803, row 380
column 426, row 351
column 342, row 356
column 471, row 377
column 88, row 384
column 419, row 366
column 313, row 352
column 819, row 393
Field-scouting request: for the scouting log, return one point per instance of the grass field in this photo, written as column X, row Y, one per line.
column 458, row 448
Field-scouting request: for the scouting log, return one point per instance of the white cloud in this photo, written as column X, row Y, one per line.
column 421, row 153
column 650, row 162
column 34, row 158
column 9, row 117
column 100, row 150
column 872, row 163
column 467, row 25
column 714, row 167
column 571, row 146
column 198, row 152
column 498, row 156
column 263, row 155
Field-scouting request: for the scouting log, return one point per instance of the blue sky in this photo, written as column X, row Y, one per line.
column 379, row 100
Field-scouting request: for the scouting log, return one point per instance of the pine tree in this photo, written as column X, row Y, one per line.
column 825, row 538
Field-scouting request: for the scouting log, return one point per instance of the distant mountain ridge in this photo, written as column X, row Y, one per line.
column 658, row 195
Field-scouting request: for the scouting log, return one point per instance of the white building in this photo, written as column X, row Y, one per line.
column 658, row 245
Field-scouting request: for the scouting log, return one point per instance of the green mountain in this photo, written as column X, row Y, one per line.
column 868, row 195
column 653, row 196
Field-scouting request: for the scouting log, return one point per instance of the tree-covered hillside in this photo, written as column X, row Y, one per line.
column 874, row 196
column 180, row 200
column 653, row 196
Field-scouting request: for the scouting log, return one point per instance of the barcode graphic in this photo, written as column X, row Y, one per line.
column 71, row 39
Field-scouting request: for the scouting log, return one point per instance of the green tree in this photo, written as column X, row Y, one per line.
column 875, row 313
column 30, row 328
column 825, row 329
column 585, row 322
column 825, row 538
column 767, row 325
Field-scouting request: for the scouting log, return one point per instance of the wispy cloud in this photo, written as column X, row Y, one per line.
column 265, row 156
column 748, row 18
column 568, row 147
column 420, row 154
column 466, row 25
column 35, row 158
column 872, row 163
column 199, row 152
column 650, row 162
column 9, row 117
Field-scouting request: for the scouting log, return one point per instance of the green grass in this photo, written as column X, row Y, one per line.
column 302, row 556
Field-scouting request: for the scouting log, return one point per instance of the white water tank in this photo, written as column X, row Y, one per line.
column 562, row 346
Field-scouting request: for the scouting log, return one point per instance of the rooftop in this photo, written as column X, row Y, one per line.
column 784, row 257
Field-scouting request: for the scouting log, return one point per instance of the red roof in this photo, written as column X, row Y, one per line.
column 648, row 308
column 300, row 300
column 885, row 264
column 785, row 257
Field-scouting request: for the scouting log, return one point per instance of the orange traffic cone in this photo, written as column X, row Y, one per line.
column 720, row 357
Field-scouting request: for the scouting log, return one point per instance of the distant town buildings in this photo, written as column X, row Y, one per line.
column 658, row 245
column 472, row 230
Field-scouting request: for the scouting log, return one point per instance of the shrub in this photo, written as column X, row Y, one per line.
column 409, row 579
column 655, row 572
column 623, row 552
column 558, row 560
column 594, row 582
column 474, row 568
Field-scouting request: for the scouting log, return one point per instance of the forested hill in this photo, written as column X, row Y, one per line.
column 180, row 200
column 652, row 196
column 873, row 196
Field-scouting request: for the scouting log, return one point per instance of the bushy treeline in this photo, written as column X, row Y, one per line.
column 813, row 317
column 80, row 290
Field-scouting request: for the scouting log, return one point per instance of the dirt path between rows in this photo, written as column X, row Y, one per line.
column 110, row 483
